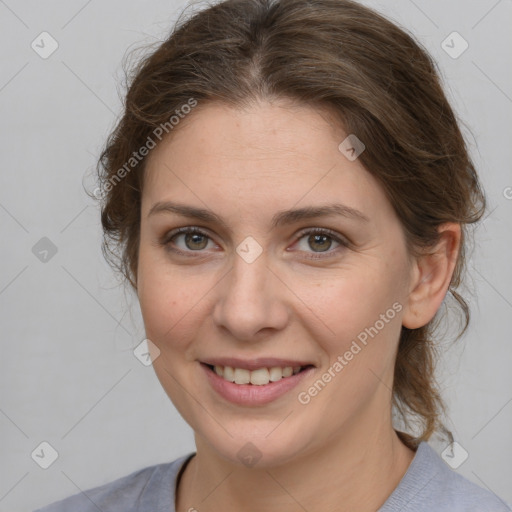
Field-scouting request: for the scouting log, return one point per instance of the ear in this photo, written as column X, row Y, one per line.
column 431, row 276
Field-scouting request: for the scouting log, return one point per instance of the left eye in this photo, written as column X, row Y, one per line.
column 319, row 241
column 193, row 240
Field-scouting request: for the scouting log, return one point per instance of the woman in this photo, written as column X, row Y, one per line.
column 290, row 196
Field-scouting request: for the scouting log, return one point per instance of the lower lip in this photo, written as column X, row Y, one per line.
column 250, row 394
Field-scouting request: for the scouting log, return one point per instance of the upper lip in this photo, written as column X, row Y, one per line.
column 254, row 364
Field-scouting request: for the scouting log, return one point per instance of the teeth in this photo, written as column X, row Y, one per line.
column 287, row 371
column 276, row 374
column 229, row 374
column 242, row 376
column 258, row 377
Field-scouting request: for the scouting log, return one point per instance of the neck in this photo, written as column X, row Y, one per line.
column 353, row 471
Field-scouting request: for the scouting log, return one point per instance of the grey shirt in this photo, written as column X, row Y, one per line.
column 428, row 485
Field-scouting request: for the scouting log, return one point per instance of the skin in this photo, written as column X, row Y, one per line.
column 339, row 451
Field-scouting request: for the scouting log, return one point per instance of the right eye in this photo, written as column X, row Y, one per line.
column 187, row 240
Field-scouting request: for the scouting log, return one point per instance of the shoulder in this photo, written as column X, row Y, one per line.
column 147, row 489
column 429, row 484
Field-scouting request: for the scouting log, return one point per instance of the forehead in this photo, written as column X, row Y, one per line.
column 270, row 155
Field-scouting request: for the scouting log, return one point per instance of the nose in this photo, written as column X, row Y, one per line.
column 250, row 300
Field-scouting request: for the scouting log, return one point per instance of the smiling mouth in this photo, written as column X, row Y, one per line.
column 259, row 377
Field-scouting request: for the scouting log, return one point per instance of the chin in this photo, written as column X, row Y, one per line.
column 259, row 448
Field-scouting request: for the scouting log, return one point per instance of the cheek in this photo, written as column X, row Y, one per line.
column 353, row 302
column 364, row 315
column 166, row 300
column 176, row 304
column 170, row 309
column 361, row 323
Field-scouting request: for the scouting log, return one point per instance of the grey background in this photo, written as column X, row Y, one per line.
column 68, row 374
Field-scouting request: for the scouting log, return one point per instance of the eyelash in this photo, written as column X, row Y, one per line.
column 168, row 238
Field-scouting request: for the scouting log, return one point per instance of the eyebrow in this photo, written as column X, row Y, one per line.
column 284, row 217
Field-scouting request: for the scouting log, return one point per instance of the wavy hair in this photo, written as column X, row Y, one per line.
column 376, row 80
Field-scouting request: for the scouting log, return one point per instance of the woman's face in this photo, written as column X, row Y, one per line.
column 322, row 289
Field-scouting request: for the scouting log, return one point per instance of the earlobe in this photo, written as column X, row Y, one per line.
column 431, row 276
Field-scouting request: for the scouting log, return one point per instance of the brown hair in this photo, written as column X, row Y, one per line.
column 336, row 54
